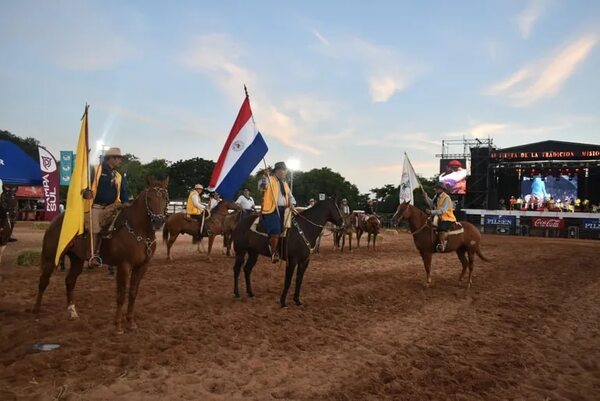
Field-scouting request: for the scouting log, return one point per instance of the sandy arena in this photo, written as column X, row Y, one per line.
column 529, row 328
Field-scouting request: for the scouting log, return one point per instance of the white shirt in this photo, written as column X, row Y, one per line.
column 212, row 204
column 245, row 203
column 196, row 201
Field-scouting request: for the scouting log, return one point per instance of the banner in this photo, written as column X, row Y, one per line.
column 409, row 182
column 66, row 166
column 548, row 222
column 495, row 220
column 50, row 183
column 453, row 173
column 590, row 224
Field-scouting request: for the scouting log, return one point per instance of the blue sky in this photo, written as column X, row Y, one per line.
column 350, row 85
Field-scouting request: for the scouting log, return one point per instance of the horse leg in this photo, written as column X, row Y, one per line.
column 350, row 242
column 237, row 267
column 170, row 242
column 358, row 235
column 70, row 281
column 368, row 240
column 136, row 277
column 374, row 240
column 461, row 253
column 252, row 258
column 426, row 256
column 2, row 248
column 211, row 239
column 299, row 277
column 122, row 276
column 289, row 272
column 471, row 254
column 47, row 269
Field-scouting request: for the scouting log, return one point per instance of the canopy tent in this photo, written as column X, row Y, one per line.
column 17, row 167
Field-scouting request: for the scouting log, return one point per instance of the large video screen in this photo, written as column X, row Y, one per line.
column 561, row 187
column 453, row 173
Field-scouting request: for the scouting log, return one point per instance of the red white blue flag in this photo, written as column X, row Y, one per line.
column 243, row 151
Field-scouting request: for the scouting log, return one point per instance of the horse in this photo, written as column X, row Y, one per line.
column 369, row 224
column 339, row 233
column 130, row 246
column 180, row 223
column 8, row 202
column 465, row 244
column 297, row 247
column 229, row 224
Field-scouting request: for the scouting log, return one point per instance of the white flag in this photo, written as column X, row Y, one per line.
column 409, row 182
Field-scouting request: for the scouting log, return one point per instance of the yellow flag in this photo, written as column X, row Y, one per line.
column 74, row 213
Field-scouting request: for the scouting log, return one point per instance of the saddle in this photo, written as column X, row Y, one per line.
column 455, row 229
column 259, row 228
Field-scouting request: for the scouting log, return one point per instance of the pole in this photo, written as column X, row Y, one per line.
column 292, row 183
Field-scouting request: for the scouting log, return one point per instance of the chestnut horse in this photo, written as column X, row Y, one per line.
column 297, row 247
column 369, row 224
column 130, row 247
column 339, row 234
column 180, row 223
column 465, row 244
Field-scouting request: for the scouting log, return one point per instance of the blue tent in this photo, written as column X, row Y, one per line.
column 17, row 167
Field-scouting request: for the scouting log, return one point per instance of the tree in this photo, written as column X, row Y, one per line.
column 184, row 174
column 311, row 183
column 29, row 145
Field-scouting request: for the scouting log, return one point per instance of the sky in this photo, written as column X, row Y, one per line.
column 350, row 85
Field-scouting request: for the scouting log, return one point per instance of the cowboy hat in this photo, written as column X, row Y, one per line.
column 455, row 163
column 198, row 186
column 279, row 166
column 113, row 152
column 441, row 185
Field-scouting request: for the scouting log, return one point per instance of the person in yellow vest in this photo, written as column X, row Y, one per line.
column 107, row 193
column 442, row 206
column 277, row 197
column 195, row 208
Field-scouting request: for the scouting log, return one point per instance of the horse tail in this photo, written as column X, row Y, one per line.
column 165, row 233
column 478, row 252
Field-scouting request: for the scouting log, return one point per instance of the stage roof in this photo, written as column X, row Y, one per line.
column 548, row 150
column 16, row 167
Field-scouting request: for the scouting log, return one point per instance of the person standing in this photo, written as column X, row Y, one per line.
column 277, row 197
column 246, row 202
column 442, row 206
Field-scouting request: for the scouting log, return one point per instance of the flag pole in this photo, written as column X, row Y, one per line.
column 264, row 160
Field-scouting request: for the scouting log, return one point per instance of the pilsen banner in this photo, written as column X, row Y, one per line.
column 50, row 183
column 548, row 222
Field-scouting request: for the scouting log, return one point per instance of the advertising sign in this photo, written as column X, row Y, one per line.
column 548, row 222
column 496, row 220
column 590, row 224
column 50, row 183
column 66, row 166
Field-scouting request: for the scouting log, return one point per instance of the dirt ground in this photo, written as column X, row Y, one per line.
column 528, row 329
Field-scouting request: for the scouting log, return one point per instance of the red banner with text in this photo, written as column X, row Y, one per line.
column 50, row 183
column 548, row 222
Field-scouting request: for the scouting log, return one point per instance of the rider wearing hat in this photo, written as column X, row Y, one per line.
column 108, row 192
column 194, row 207
column 277, row 197
column 442, row 206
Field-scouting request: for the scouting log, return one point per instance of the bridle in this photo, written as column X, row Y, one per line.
column 418, row 230
column 301, row 232
column 159, row 191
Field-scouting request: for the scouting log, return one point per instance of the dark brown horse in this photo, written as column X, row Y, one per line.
column 8, row 202
column 179, row 223
column 297, row 247
column 229, row 224
column 130, row 247
column 369, row 224
column 340, row 234
column 465, row 244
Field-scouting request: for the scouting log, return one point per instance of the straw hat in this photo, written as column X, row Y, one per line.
column 113, row 152
column 198, row 186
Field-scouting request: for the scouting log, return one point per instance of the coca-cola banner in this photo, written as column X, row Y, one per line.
column 50, row 183
column 548, row 222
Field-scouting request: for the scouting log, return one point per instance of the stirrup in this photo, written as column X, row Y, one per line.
column 439, row 248
column 95, row 261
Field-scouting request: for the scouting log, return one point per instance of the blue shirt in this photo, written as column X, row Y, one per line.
column 106, row 193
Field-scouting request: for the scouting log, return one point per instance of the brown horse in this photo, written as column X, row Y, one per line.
column 229, row 224
column 369, row 224
column 130, row 247
column 339, row 233
column 179, row 223
column 464, row 244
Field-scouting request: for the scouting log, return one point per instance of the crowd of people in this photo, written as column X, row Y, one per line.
column 531, row 202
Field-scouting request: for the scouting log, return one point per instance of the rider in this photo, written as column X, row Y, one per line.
column 345, row 207
column 246, row 202
column 194, row 207
column 108, row 192
column 442, row 206
column 277, row 197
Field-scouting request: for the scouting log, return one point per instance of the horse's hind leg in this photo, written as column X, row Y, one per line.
column 170, row 242
column 136, row 277
column 299, row 277
column 471, row 266
column 211, row 240
column 45, row 273
column 289, row 272
column 237, row 268
column 462, row 255
column 252, row 258
column 427, row 263
column 70, row 281
column 122, row 276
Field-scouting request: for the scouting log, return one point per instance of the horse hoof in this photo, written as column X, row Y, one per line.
column 250, row 295
column 284, row 306
column 298, row 303
column 119, row 331
column 72, row 312
column 132, row 326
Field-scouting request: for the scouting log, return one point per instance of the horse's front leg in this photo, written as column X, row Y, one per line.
column 289, row 273
column 426, row 256
column 122, row 276
column 70, row 281
column 252, row 258
column 136, row 277
column 211, row 240
column 299, row 277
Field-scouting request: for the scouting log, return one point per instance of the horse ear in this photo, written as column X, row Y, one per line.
column 165, row 182
column 149, row 181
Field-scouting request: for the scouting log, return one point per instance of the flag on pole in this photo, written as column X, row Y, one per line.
column 409, row 182
column 243, row 151
column 74, row 213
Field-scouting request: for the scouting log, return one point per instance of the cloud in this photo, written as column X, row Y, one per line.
column 320, row 37
column 529, row 16
column 544, row 78
column 485, row 130
column 220, row 57
column 386, row 72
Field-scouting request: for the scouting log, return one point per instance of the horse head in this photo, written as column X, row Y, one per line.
column 403, row 212
column 157, row 200
column 335, row 215
column 8, row 200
